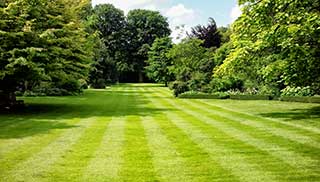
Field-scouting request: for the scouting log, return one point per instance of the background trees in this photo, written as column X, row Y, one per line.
column 124, row 43
column 159, row 62
column 144, row 27
column 112, row 45
column 276, row 45
column 42, row 41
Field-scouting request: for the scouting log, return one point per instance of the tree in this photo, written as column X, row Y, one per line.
column 110, row 23
column 144, row 26
column 192, row 64
column 159, row 62
column 41, row 40
column 209, row 34
column 276, row 43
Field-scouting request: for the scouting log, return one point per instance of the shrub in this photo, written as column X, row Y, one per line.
column 297, row 91
column 99, row 84
column 201, row 95
column 226, row 84
column 179, row 87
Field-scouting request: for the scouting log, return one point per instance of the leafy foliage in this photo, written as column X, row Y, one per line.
column 159, row 62
column 192, row 63
column 209, row 34
column 276, row 43
column 42, row 40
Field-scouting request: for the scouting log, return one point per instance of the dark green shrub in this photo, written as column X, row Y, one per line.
column 201, row 95
column 250, row 97
column 99, row 84
column 226, row 84
column 179, row 87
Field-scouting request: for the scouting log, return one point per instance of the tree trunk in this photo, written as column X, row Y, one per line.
column 8, row 100
column 140, row 77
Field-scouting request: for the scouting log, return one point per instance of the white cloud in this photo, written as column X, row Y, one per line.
column 180, row 15
column 235, row 13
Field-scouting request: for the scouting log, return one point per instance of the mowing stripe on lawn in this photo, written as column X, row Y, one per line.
column 106, row 164
column 285, row 133
column 107, row 159
column 40, row 163
column 272, row 122
column 169, row 164
column 41, row 160
column 291, row 135
column 236, row 163
column 84, row 150
column 137, row 159
column 304, row 164
column 136, row 156
column 26, row 147
column 263, row 119
column 200, row 166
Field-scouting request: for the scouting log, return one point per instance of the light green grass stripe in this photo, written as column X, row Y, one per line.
column 276, row 122
column 252, row 153
column 40, row 163
column 26, row 148
column 167, row 161
column 263, row 119
column 287, row 156
column 25, row 124
column 290, row 135
column 199, row 165
column 234, row 162
column 107, row 160
column 137, row 159
column 70, row 167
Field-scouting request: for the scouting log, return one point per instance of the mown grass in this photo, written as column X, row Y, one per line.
column 141, row 133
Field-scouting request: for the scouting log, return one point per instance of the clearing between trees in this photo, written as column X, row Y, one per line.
column 140, row 132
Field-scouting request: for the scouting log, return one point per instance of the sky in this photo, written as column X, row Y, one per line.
column 183, row 12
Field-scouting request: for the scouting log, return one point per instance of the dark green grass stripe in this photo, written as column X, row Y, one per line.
column 137, row 157
column 303, row 127
column 280, row 143
column 107, row 159
column 235, row 163
column 286, row 150
column 168, row 162
column 199, row 165
column 311, row 130
column 72, row 163
column 246, row 138
column 287, row 132
column 35, row 161
column 299, row 142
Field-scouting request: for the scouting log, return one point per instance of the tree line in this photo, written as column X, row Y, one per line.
column 60, row 47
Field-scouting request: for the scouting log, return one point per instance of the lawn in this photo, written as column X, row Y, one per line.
column 141, row 133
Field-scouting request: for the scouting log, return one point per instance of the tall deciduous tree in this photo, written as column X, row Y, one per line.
column 276, row 42
column 41, row 40
column 144, row 27
column 209, row 34
column 159, row 62
column 112, row 44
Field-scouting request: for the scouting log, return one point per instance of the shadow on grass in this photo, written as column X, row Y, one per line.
column 296, row 114
column 41, row 115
